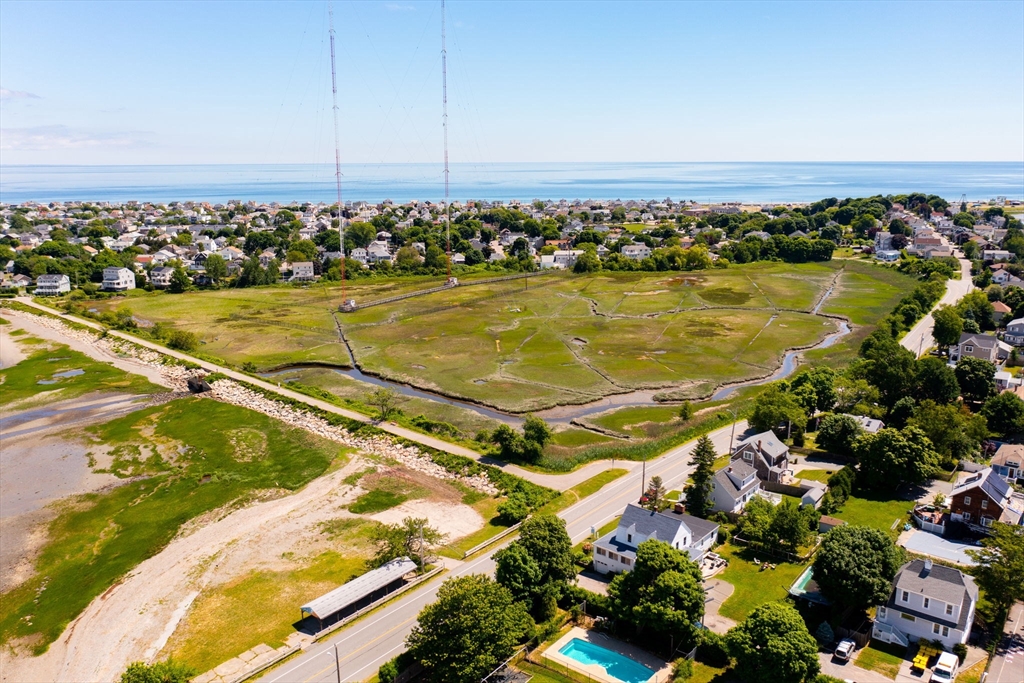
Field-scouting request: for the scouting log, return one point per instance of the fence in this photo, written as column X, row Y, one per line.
column 493, row 539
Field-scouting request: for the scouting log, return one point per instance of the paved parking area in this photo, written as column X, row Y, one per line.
column 924, row 543
column 848, row 671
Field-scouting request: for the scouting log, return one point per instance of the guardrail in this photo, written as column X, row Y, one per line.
column 493, row 539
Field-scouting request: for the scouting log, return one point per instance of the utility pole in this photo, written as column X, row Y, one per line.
column 337, row 162
column 444, row 119
column 337, row 662
column 732, row 435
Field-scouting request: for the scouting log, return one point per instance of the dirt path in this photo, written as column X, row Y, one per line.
column 133, row 620
column 38, row 327
column 11, row 352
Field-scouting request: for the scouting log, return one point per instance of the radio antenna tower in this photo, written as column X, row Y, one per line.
column 337, row 158
column 444, row 120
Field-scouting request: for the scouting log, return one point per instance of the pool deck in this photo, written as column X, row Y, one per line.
column 662, row 668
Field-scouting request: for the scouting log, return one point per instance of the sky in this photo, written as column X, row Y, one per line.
column 249, row 82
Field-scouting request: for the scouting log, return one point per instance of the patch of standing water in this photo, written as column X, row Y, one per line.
column 57, row 376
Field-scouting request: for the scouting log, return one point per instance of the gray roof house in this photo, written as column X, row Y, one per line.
column 616, row 551
column 983, row 346
column 868, row 424
column 52, row 285
column 733, row 486
column 928, row 602
column 766, row 453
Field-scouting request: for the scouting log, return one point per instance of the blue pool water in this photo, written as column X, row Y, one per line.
column 617, row 666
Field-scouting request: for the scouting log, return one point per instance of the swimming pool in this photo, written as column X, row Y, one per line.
column 617, row 666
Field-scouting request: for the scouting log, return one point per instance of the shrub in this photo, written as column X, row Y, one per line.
column 960, row 650
column 513, row 510
column 711, row 649
column 388, row 671
column 682, row 670
column 723, row 535
column 183, row 340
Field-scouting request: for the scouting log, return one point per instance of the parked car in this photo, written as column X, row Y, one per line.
column 845, row 649
column 945, row 669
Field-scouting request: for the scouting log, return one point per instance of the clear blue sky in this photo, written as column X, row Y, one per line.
column 249, row 82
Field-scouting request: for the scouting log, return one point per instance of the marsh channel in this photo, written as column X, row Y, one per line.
column 567, row 414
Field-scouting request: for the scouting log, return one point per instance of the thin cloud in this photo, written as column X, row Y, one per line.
column 395, row 7
column 45, row 138
column 6, row 94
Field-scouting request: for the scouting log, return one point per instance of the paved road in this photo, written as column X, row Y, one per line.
column 366, row 645
column 1008, row 662
column 919, row 338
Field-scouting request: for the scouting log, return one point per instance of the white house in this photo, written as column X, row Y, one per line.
column 303, row 271
column 52, row 285
column 733, row 486
column 359, row 254
column 160, row 277
column 636, row 252
column 929, row 602
column 566, row 258
column 616, row 551
column 996, row 255
column 118, row 279
column 887, row 255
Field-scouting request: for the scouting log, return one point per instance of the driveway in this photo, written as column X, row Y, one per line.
column 1008, row 662
column 924, row 543
column 848, row 671
column 718, row 591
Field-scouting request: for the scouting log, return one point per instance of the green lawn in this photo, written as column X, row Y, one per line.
column 879, row 514
column 816, row 475
column 38, row 377
column 886, row 660
column 192, row 470
column 753, row 587
column 573, row 495
column 574, row 437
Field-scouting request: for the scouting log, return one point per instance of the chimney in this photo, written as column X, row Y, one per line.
column 730, row 469
column 927, row 568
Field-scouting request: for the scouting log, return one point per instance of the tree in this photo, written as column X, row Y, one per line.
column 776, row 407
column 773, row 645
column 823, row 381
column 216, row 268
column 180, row 281
column 169, row 671
column 976, row 378
column 587, row 262
column 408, row 257
column 472, row 627
column 1004, row 413
column 889, row 367
column 536, row 430
column 954, row 431
column 183, row 340
column 936, row 381
column 654, row 497
column 698, row 494
column 891, row 457
column 384, row 400
column 855, row 566
column 977, row 306
column 412, row 538
column 788, row 527
column 435, row 258
column 548, row 543
column 518, row 572
column 836, row 433
column 514, row 509
column 663, row 591
column 1000, row 565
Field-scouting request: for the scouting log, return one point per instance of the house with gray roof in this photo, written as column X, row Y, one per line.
column 983, row 346
column 733, row 486
column 868, row 424
column 927, row 602
column 766, row 453
column 616, row 551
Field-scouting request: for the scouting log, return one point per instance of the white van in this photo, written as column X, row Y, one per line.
column 945, row 669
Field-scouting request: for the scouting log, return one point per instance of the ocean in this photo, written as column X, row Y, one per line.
column 704, row 182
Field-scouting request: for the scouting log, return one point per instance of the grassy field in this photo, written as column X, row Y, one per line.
column 877, row 513
column 556, row 339
column 884, row 660
column 753, row 586
column 816, row 475
column 102, row 536
column 221, row 620
column 46, row 375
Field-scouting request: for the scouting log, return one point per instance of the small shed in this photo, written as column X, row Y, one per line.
column 376, row 581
